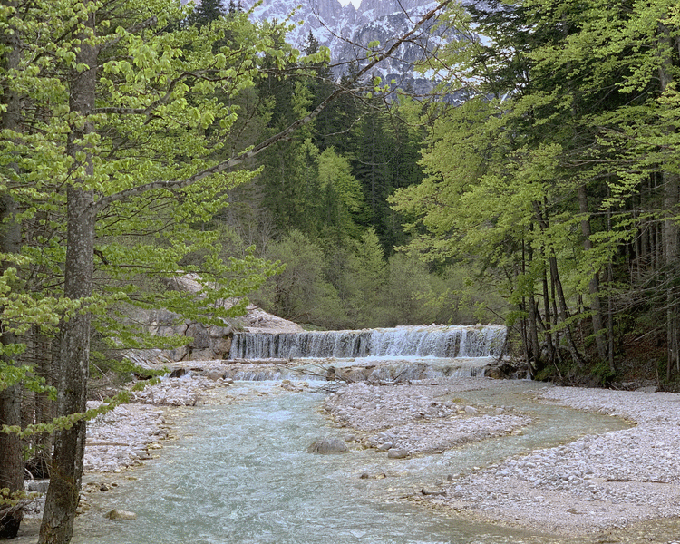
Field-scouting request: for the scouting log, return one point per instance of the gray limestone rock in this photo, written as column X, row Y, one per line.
column 397, row 454
column 328, row 445
column 120, row 515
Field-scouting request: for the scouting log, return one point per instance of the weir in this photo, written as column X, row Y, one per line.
column 434, row 341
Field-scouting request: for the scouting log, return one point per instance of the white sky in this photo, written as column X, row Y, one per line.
column 355, row 2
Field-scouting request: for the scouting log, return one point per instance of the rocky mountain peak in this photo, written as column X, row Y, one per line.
column 347, row 30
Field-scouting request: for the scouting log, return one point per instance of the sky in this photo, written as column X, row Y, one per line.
column 355, row 2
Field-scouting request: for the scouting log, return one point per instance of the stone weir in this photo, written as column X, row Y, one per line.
column 408, row 341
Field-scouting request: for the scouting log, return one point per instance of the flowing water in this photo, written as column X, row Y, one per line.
column 420, row 341
column 243, row 475
column 399, row 354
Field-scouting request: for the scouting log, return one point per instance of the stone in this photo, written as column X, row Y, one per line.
column 220, row 346
column 397, row 454
column 215, row 375
column 354, row 376
column 200, row 335
column 378, row 476
column 328, row 445
column 433, row 492
column 179, row 354
column 178, row 373
column 120, row 515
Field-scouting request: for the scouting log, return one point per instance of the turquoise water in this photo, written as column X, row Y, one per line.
column 243, row 476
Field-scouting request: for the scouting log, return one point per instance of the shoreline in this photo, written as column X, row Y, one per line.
column 598, row 483
column 612, row 485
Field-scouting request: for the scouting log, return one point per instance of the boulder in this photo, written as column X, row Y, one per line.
column 354, row 376
column 120, row 515
column 397, row 454
column 200, row 335
column 220, row 346
column 215, row 375
column 328, row 445
column 178, row 373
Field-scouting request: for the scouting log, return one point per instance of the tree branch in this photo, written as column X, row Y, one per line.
column 284, row 134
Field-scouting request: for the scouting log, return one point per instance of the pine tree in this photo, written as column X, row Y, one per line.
column 208, row 11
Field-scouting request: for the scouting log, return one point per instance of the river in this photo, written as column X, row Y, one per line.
column 241, row 474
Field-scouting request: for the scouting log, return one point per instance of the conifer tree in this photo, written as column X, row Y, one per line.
column 208, row 11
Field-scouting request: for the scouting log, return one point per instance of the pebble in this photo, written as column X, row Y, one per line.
column 409, row 418
column 597, row 483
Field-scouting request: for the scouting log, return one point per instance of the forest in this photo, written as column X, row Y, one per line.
column 140, row 142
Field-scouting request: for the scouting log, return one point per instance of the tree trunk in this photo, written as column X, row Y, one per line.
column 594, row 283
column 670, row 224
column 44, row 407
column 560, row 311
column 11, row 458
column 533, row 347
column 670, row 246
column 73, row 355
column 11, row 454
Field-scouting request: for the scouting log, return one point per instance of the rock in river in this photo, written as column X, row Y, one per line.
column 397, row 454
column 120, row 515
column 328, row 445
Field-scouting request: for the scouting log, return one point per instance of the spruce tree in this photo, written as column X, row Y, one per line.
column 208, row 11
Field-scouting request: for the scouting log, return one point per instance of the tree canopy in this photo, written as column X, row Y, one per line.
column 560, row 180
column 127, row 131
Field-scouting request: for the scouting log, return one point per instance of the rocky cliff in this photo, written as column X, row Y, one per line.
column 208, row 342
column 347, row 31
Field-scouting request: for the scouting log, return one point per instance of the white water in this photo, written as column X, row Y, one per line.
column 242, row 473
column 413, row 341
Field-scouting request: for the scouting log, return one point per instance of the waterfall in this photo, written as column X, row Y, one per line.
column 407, row 341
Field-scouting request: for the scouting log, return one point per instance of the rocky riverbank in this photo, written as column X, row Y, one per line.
column 598, row 486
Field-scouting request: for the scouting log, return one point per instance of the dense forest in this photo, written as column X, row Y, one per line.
column 558, row 183
column 139, row 142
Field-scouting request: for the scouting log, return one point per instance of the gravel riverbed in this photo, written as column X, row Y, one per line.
column 596, row 485
column 601, row 488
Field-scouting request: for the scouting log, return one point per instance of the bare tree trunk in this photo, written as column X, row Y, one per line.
column 670, row 226
column 11, row 458
column 594, row 283
column 73, row 355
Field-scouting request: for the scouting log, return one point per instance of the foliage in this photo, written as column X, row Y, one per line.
column 539, row 182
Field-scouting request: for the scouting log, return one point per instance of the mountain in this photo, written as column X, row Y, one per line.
column 347, row 31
